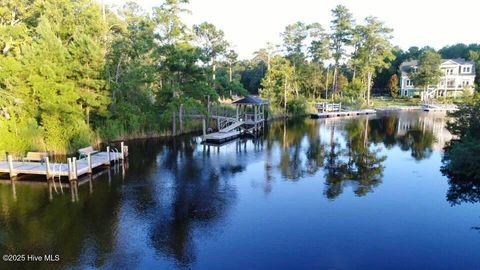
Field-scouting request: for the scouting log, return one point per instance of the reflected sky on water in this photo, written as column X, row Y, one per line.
column 356, row 193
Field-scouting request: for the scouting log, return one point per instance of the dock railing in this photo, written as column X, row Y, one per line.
column 328, row 107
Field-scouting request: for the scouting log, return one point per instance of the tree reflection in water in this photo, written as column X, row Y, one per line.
column 177, row 189
column 350, row 150
column 200, row 199
column 463, row 191
column 359, row 164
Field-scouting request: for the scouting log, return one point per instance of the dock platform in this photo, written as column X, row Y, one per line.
column 439, row 108
column 220, row 137
column 73, row 169
column 342, row 113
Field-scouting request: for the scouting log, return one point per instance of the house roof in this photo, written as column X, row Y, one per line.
column 250, row 100
column 405, row 66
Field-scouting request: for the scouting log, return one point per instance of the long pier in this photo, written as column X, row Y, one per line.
column 73, row 169
column 342, row 113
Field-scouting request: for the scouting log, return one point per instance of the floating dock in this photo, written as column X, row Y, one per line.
column 220, row 137
column 73, row 169
column 342, row 113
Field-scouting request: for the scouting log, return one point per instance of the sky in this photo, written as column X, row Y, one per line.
column 250, row 24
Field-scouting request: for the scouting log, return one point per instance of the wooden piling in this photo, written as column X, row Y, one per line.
column 208, row 110
column 47, row 168
column 69, row 163
column 204, row 129
column 89, row 161
column 75, row 173
column 10, row 166
column 122, row 150
column 108, row 154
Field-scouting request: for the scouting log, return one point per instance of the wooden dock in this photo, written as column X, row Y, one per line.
column 220, row 137
column 438, row 108
column 249, row 119
column 342, row 113
column 73, row 169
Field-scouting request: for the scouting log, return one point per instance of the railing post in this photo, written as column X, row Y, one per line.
column 10, row 166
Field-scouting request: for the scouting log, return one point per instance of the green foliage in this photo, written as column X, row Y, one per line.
column 461, row 157
column 341, row 36
column 70, row 73
column 277, row 84
column 355, row 89
column 428, row 72
column 393, row 86
column 251, row 74
column 297, row 106
column 374, row 50
column 51, row 70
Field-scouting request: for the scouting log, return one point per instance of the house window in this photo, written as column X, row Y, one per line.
column 466, row 70
column 465, row 83
column 409, row 83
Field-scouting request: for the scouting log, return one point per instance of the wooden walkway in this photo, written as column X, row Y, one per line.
column 342, row 114
column 73, row 169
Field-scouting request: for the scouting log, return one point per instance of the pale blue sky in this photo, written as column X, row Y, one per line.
column 250, row 24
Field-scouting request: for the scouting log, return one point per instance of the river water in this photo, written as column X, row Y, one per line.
column 358, row 193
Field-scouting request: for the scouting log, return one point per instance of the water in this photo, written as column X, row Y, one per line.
column 359, row 193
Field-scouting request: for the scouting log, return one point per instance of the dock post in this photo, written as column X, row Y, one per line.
column 69, row 163
column 255, row 120
column 204, row 128
column 122, row 150
column 89, row 161
column 47, row 165
column 75, row 173
column 10, row 166
column 108, row 155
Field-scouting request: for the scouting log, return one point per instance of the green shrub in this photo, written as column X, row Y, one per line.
column 297, row 106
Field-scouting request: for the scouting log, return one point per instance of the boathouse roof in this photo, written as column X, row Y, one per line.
column 251, row 100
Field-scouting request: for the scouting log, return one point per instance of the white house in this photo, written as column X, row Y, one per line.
column 458, row 74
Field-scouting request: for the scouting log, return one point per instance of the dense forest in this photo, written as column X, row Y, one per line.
column 73, row 73
column 76, row 72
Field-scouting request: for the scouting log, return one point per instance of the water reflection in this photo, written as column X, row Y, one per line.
column 200, row 198
column 463, row 191
column 177, row 191
column 350, row 150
